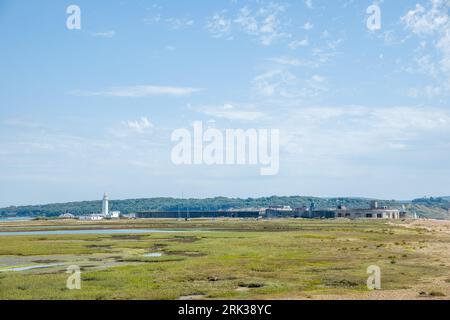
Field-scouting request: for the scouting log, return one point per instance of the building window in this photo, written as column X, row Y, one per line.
column 380, row 216
column 368, row 216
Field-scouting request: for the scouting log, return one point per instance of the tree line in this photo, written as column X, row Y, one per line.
column 172, row 204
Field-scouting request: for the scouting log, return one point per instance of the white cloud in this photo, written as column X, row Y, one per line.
column 139, row 91
column 232, row 112
column 154, row 19
column 139, row 126
column 298, row 43
column 324, row 55
column 179, row 23
column 288, row 61
column 431, row 24
column 247, row 21
column 423, row 22
column 270, row 28
column 272, row 83
column 173, row 23
column 263, row 23
column 425, row 64
column 219, row 26
column 352, row 131
column 317, row 78
column 17, row 122
column 444, row 45
column 280, row 83
column 430, row 91
column 308, row 26
column 319, row 55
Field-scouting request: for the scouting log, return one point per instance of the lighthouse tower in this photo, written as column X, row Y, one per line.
column 105, row 207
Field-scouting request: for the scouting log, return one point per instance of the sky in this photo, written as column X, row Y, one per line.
column 361, row 112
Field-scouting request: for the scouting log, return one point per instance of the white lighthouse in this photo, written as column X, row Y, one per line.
column 105, row 207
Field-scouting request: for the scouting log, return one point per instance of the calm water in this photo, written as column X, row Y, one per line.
column 69, row 232
column 31, row 267
column 16, row 219
column 153, row 255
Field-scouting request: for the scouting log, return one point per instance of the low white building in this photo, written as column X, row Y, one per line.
column 280, row 208
column 67, row 216
column 114, row 215
column 92, row 217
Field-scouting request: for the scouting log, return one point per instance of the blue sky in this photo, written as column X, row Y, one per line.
column 361, row 113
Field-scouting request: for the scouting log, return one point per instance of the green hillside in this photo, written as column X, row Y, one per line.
column 171, row 204
column 435, row 208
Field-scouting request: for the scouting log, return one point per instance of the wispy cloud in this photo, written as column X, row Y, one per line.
column 107, row 34
column 179, row 23
column 294, row 62
column 232, row 112
column 138, row 91
column 17, row 122
column 219, row 25
column 355, row 130
column 139, row 126
column 298, row 43
column 263, row 23
column 172, row 22
column 308, row 26
column 431, row 24
column 281, row 83
column 423, row 21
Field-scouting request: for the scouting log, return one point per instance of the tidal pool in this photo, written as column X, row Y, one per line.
column 30, row 267
column 153, row 254
column 7, row 219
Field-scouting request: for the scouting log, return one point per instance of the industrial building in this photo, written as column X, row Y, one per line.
column 275, row 212
column 244, row 214
column 374, row 212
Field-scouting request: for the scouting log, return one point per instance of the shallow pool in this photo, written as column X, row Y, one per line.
column 13, row 219
column 30, row 268
column 153, row 255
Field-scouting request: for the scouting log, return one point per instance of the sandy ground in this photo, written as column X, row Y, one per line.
column 421, row 291
column 430, row 225
column 424, row 288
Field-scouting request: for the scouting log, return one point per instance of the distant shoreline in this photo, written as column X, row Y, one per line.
column 16, row 218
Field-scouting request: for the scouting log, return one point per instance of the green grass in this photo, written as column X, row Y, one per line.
column 224, row 260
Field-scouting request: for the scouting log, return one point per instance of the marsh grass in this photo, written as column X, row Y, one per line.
column 230, row 260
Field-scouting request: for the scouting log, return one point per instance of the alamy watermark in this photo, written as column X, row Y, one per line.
column 374, row 280
column 229, row 147
column 374, row 20
column 74, row 280
column 73, row 21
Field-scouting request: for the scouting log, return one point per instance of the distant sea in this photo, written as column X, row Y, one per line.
column 16, row 218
